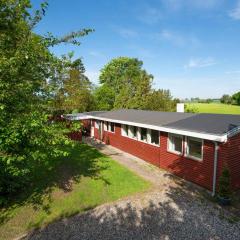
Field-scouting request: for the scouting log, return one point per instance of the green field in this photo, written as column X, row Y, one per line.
column 73, row 184
column 214, row 108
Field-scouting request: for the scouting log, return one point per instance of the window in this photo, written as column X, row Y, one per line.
column 125, row 130
column 143, row 132
column 105, row 126
column 175, row 143
column 97, row 124
column 194, row 148
column 134, row 132
column 112, row 128
column 154, row 137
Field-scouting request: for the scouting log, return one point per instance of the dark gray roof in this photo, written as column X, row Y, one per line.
column 217, row 124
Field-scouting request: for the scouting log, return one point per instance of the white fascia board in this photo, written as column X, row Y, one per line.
column 212, row 137
column 77, row 117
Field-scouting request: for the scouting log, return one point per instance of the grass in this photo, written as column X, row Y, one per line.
column 73, row 184
column 214, row 108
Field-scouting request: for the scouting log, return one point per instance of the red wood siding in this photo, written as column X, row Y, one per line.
column 199, row 172
column 230, row 156
column 142, row 150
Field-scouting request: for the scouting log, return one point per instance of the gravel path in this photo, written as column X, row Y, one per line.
column 172, row 209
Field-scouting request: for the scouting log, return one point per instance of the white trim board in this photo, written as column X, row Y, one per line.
column 212, row 137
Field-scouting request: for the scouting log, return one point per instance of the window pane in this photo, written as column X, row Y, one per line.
column 154, row 137
column 112, row 127
column 177, row 144
column 195, row 148
column 143, row 134
column 126, row 129
column 134, row 132
column 97, row 124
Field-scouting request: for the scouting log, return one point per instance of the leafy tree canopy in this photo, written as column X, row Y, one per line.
column 26, row 66
column 236, row 98
column 71, row 90
column 227, row 99
column 127, row 82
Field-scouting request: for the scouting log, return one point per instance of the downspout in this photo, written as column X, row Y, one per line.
column 215, row 168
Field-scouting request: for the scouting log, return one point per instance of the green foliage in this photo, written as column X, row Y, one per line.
column 192, row 109
column 225, row 183
column 124, row 84
column 226, row 99
column 104, row 97
column 236, row 98
column 71, row 89
column 160, row 100
column 27, row 138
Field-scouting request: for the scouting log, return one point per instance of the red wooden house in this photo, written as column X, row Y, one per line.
column 192, row 146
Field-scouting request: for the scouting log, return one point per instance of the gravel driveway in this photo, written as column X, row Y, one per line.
column 172, row 209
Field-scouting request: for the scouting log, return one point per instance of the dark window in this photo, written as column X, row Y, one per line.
column 134, row 131
column 143, row 134
column 126, row 129
column 155, row 137
column 195, row 147
column 112, row 127
column 175, row 143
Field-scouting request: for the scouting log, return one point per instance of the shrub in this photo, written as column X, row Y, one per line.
column 225, row 183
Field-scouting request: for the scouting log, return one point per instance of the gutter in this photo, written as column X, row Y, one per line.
column 215, row 168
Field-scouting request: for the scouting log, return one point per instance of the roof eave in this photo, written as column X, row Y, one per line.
column 212, row 137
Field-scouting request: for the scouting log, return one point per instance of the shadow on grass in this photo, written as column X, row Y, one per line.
column 82, row 161
column 177, row 215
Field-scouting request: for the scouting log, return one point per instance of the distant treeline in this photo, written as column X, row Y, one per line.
column 225, row 99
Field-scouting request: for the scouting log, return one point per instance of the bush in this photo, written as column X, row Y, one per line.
column 225, row 183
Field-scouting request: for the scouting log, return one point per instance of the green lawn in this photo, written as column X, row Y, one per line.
column 81, row 181
column 214, row 108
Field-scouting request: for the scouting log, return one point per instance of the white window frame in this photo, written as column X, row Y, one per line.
column 187, row 149
column 169, row 145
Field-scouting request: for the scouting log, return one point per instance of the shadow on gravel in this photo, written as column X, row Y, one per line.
column 181, row 215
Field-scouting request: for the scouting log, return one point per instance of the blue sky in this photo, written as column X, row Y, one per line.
column 190, row 46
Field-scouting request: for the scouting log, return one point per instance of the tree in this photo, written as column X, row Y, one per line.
column 236, row 98
column 226, row 99
column 128, row 84
column 26, row 65
column 104, row 97
column 72, row 89
column 160, row 100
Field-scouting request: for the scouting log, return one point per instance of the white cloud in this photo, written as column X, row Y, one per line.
column 200, row 62
column 127, row 33
column 177, row 39
column 235, row 13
